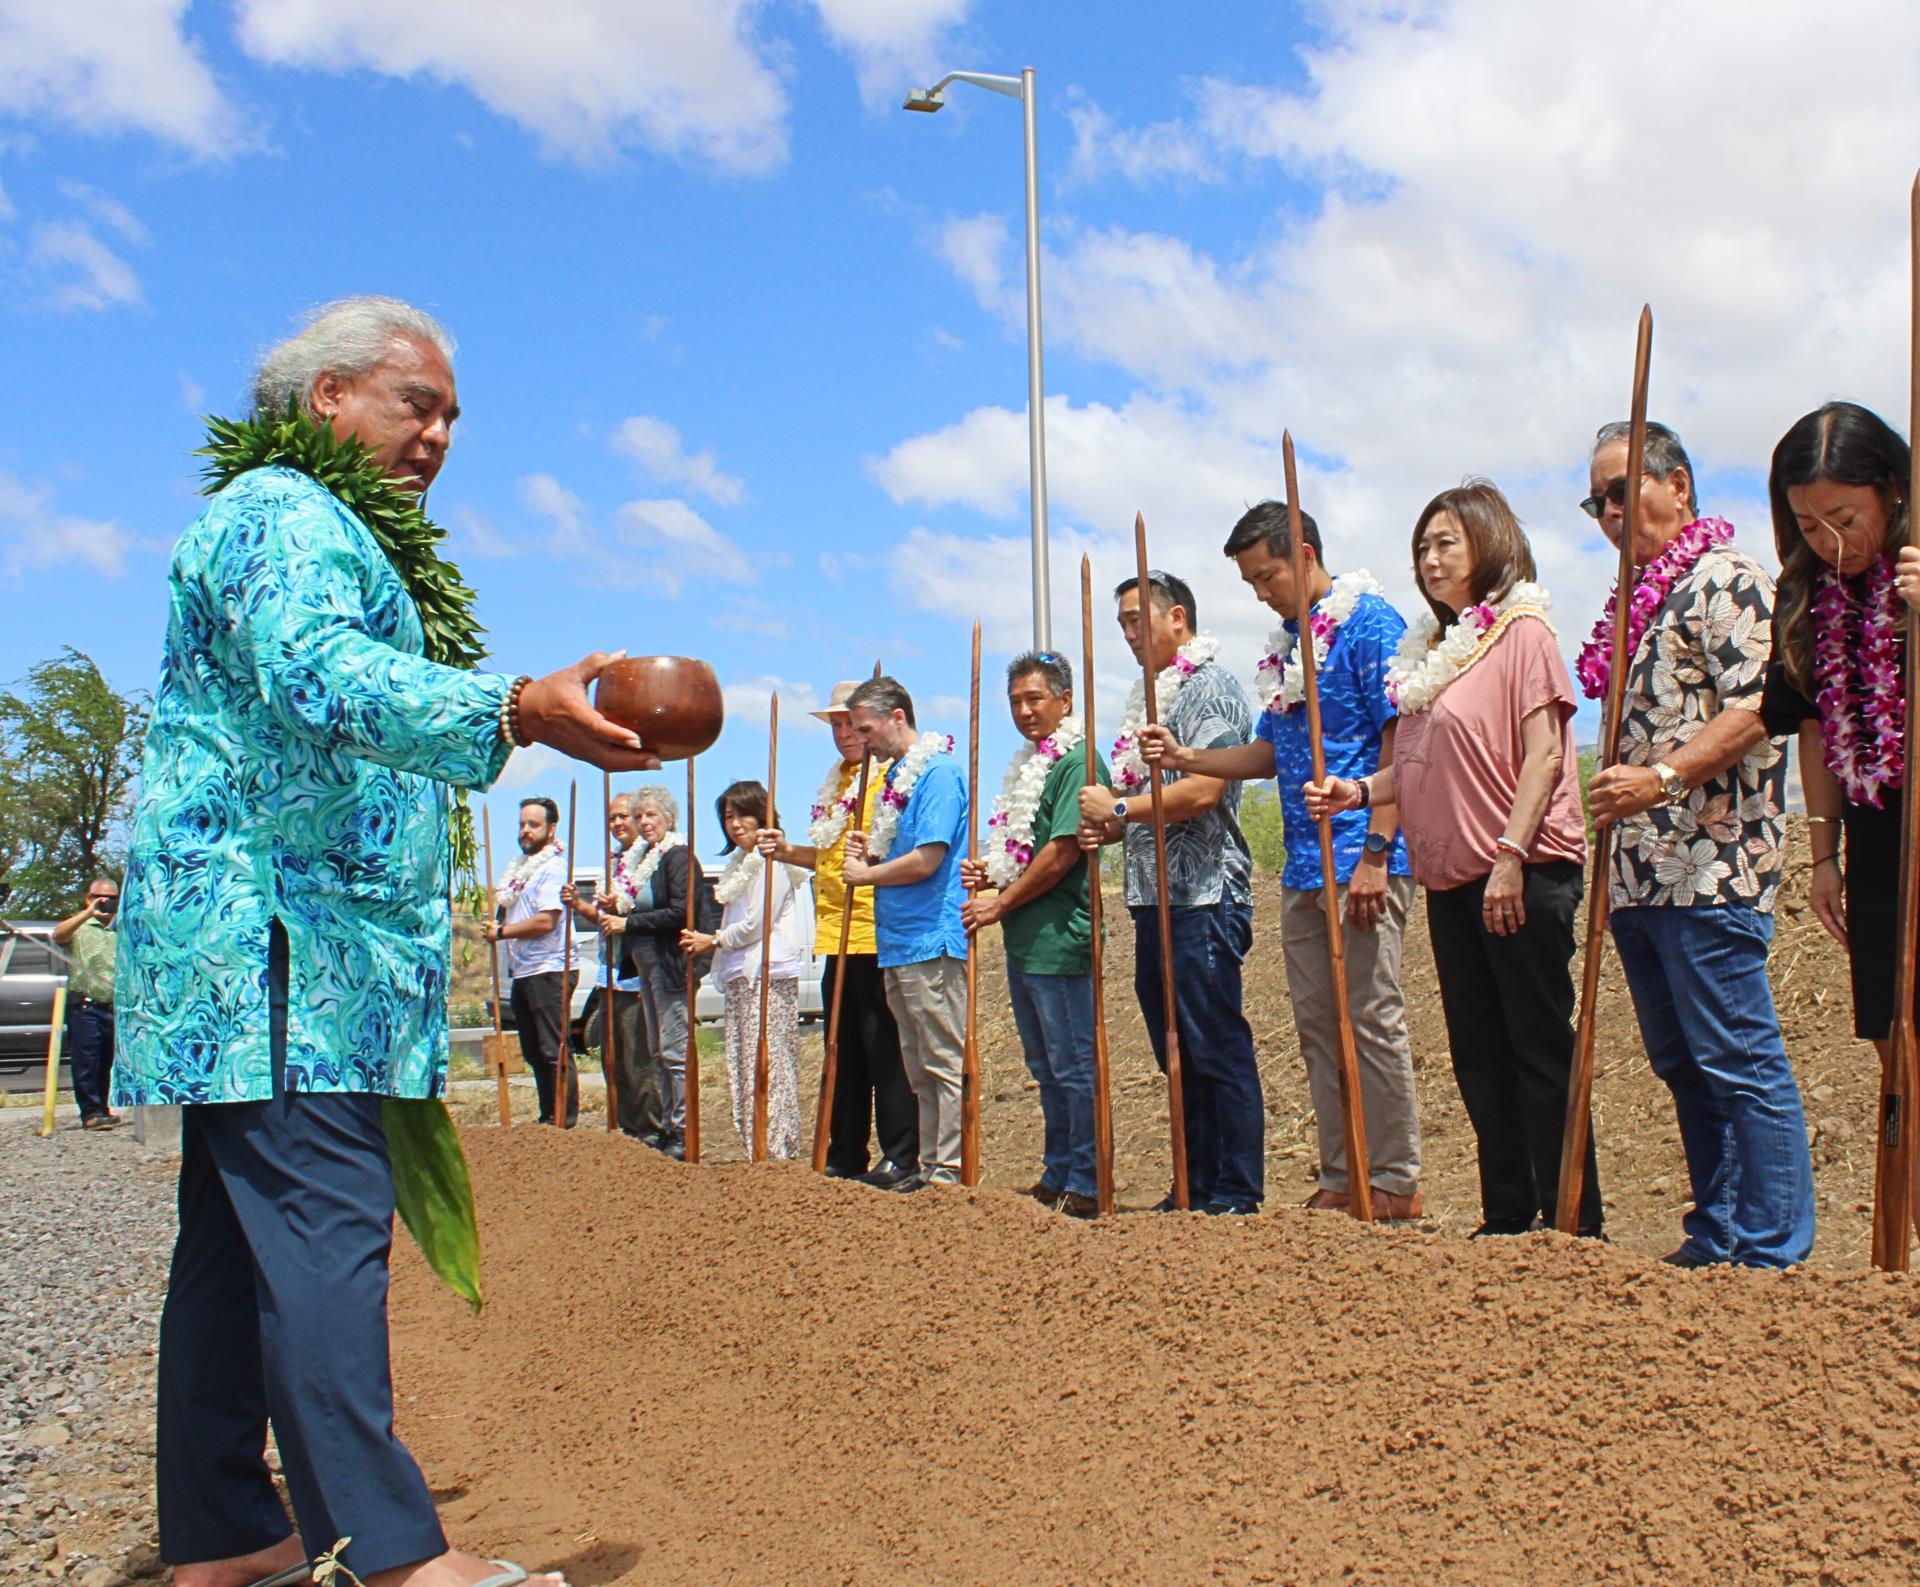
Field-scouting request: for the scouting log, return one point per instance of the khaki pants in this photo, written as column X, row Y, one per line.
column 929, row 1003
column 1380, row 1044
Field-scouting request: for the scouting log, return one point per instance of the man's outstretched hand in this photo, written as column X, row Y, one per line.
column 555, row 711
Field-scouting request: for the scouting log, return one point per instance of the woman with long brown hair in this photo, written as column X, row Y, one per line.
column 1488, row 788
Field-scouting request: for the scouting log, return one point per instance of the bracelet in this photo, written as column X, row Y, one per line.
column 1823, row 821
column 1506, row 845
column 1826, row 859
column 510, row 728
column 1366, row 793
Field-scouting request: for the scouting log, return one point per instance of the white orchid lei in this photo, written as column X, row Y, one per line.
column 738, row 876
column 1288, row 676
column 523, row 870
column 899, row 789
column 1421, row 668
column 833, row 805
column 1010, row 827
column 1129, row 767
column 629, row 878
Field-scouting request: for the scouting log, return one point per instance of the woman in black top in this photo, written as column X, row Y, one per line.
column 1838, row 491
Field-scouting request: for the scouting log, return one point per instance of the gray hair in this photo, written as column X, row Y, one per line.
column 882, row 696
column 656, row 794
column 1663, row 455
column 1056, row 669
column 348, row 337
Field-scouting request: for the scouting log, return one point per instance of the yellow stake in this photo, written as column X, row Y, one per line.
column 53, row 1059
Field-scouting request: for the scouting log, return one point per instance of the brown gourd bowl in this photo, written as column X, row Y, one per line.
column 672, row 702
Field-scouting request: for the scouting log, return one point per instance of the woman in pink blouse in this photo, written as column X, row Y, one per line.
column 1488, row 788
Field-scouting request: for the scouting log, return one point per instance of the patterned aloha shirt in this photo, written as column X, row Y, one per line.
column 1207, row 857
column 1706, row 651
column 293, row 772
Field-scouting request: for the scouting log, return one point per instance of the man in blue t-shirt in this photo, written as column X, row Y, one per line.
column 912, row 861
column 1358, row 633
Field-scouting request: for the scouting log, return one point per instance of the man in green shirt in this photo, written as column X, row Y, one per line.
column 1032, row 882
column 86, row 937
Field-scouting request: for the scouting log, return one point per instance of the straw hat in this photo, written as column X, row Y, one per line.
column 837, row 701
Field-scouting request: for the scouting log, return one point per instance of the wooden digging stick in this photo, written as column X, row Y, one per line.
column 1353, row 1118
column 563, row 1065
column 610, row 1038
column 690, row 1079
column 762, row 1069
column 970, row 1053
column 830, row 1060
column 1893, row 1185
column 1102, row 1075
column 56, row 1032
column 1573, row 1146
column 498, row 1052
column 1176, row 1098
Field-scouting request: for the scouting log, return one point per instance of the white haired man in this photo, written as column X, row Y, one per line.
column 284, row 941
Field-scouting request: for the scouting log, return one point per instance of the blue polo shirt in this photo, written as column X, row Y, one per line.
column 1354, row 711
column 921, row 922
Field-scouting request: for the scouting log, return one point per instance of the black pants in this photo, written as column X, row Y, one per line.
column 1226, row 1116
column 869, row 1081
column 542, row 1012
column 276, row 1312
column 1509, row 1005
column 89, row 1042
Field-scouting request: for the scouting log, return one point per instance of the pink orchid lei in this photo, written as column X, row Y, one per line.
column 1650, row 591
column 1860, row 688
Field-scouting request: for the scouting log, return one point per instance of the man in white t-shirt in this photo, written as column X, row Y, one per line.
column 527, row 918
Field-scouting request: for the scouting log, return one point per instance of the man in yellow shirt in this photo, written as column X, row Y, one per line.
column 870, row 1081
column 87, row 939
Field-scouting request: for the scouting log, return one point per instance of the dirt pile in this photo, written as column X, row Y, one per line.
column 735, row 1374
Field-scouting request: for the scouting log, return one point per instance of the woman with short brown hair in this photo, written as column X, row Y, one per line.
column 1488, row 788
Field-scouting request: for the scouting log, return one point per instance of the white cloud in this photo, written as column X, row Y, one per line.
column 655, row 445
column 588, row 79
column 1167, row 150
column 114, row 65
column 106, row 208
column 479, row 537
column 895, row 44
column 529, row 765
column 78, row 270
column 193, row 395
column 747, row 701
column 1461, row 299
column 662, row 545
column 36, row 537
column 7, row 211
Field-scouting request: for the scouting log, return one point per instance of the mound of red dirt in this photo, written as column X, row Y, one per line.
column 751, row 1375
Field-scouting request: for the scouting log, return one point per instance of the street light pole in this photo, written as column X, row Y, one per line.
column 1021, row 88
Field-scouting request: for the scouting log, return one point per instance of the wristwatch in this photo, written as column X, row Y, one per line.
column 1119, row 810
column 1673, row 787
column 1378, row 843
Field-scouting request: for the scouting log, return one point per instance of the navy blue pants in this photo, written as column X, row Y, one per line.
column 1220, row 1075
column 277, row 1312
column 89, row 1041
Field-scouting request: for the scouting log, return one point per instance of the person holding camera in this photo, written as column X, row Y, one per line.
column 86, row 936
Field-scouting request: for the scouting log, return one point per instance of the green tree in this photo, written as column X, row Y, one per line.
column 69, row 757
column 1260, row 820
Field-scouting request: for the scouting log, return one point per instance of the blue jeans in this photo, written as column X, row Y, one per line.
column 1054, row 1015
column 1699, row 981
column 1220, row 1074
column 90, row 1051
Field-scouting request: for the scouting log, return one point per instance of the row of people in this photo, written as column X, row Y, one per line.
column 1451, row 767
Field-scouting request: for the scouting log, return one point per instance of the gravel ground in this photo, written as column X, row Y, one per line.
column 84, row 1243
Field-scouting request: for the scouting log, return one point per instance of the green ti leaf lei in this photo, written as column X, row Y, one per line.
column 400, row 527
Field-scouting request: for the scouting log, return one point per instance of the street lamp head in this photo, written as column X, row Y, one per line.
column 927, row 99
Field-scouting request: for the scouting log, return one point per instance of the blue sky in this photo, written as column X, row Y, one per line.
column 742, row 347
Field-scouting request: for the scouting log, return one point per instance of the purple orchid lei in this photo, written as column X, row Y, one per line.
column 1860, row 690
column 1650, row 591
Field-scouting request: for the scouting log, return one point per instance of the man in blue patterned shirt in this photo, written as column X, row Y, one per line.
column 1357, row 633
column 1209, row 892
column 283, row 965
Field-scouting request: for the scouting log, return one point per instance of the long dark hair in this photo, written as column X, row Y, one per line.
column 744, row 799
column 1497, row 543
column 1844, row 444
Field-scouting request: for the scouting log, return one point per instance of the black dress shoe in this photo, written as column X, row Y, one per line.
column 843, row 1173
column 1230, row 1209
column 887, row 1175
column 917, row 1180
column 670, row 1145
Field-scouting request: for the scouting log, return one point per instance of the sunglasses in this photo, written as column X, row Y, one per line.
column 1615, row 495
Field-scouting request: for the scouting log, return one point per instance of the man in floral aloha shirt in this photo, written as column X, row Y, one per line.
column 1696, row 801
